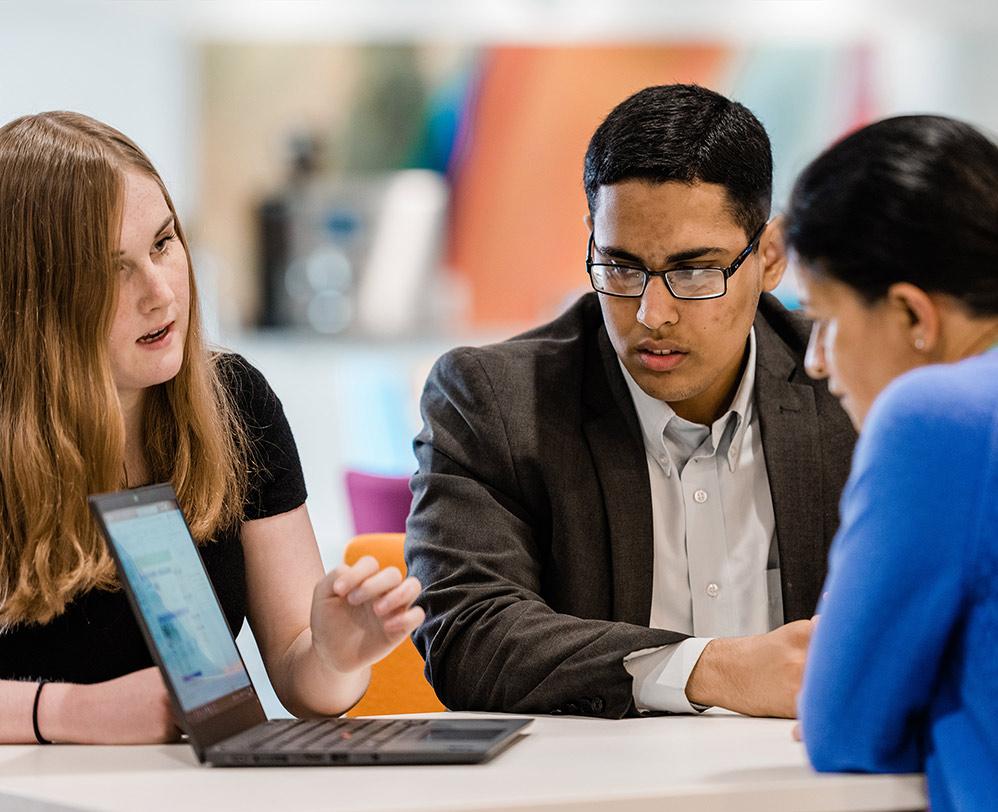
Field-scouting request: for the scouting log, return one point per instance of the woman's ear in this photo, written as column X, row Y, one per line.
column 773, row 252
column 919, row 316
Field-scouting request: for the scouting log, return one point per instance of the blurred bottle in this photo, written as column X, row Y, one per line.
column 274, row 226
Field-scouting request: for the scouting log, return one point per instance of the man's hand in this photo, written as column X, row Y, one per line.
column 758, row 675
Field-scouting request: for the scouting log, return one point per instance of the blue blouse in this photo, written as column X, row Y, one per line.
column 902, row 675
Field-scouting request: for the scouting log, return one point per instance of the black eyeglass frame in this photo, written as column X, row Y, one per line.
column 728, row 272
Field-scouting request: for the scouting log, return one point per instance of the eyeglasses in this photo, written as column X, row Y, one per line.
column 630, row 281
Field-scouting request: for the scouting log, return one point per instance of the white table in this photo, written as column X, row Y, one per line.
column 716, row 762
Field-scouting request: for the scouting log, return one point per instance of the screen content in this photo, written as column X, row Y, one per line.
column 175, row 597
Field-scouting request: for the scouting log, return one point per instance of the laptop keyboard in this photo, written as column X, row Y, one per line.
column 324, row 735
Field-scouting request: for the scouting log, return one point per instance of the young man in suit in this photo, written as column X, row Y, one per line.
column 628, row 509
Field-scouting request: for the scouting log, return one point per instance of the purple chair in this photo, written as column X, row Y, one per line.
column 379, row 504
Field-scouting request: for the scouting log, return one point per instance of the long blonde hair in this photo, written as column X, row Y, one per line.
column 62, row 433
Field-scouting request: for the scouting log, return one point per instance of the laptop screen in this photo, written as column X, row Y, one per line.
column 177, row 602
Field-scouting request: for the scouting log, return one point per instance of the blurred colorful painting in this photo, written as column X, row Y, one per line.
column 419, row 189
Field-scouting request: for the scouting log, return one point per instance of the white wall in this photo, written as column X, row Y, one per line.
column 106, row 60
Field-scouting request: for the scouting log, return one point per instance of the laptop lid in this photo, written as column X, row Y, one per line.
column 177, row 608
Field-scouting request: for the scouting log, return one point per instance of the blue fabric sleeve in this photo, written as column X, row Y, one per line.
column 896, row 581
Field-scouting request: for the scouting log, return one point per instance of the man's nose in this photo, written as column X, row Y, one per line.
column 658, row 305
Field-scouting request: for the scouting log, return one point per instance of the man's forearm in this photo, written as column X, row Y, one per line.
column 714, row 680
column 660, row 676
column 525, row 658
column 758, row 675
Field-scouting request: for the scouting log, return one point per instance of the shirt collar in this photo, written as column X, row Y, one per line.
column 654, row 414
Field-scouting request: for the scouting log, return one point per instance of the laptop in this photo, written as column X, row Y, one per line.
column 213, row 696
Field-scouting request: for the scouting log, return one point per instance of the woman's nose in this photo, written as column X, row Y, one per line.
column 814, row 358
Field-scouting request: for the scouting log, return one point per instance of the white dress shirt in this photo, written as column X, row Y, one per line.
column 716, row 570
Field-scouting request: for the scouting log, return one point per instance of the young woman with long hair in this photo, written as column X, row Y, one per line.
column 106, row 382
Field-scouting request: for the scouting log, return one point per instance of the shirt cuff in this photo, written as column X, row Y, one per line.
column 660, row 675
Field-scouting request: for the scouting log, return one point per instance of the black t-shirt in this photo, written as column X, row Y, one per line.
column 97, row 637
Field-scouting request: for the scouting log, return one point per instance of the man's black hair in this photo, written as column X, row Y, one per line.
column 689, row 134
column 907, row 199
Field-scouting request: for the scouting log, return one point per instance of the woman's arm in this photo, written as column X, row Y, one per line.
column 133, row 709
column 318, row 633
column 896, row 585
column 16, row 699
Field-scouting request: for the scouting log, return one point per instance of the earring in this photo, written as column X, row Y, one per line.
column 919, row 343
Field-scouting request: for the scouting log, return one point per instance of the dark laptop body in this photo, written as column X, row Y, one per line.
column 213, row 697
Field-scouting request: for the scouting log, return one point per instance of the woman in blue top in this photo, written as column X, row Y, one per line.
column 895, row 231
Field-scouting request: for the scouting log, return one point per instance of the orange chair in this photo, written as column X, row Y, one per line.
column 397, row 681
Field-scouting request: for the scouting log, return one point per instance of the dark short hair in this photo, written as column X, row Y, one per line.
column 907, row 199
column 688, row 134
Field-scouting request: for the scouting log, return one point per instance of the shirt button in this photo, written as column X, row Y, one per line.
column 712, row 590
column 700, row 496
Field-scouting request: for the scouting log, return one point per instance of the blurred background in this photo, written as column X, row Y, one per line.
column 366, row 185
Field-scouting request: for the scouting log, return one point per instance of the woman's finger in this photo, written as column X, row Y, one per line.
column 400, row 597
column 404, row 623
column 342, row 579
column 375, row 586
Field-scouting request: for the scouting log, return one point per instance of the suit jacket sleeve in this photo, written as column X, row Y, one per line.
column 476, row 542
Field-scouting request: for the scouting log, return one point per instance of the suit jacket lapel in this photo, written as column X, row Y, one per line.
column 790, row 441
column 613, row 433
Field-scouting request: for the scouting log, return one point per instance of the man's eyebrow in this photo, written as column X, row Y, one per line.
column 160, row 230
column 700, row 252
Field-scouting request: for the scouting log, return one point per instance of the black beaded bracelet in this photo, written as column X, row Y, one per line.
column 34, row 712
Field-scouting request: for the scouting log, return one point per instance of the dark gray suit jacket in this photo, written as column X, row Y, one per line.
column 531, row 526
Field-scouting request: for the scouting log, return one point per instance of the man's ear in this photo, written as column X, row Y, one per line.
column 773, row 252
column 588, row 220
